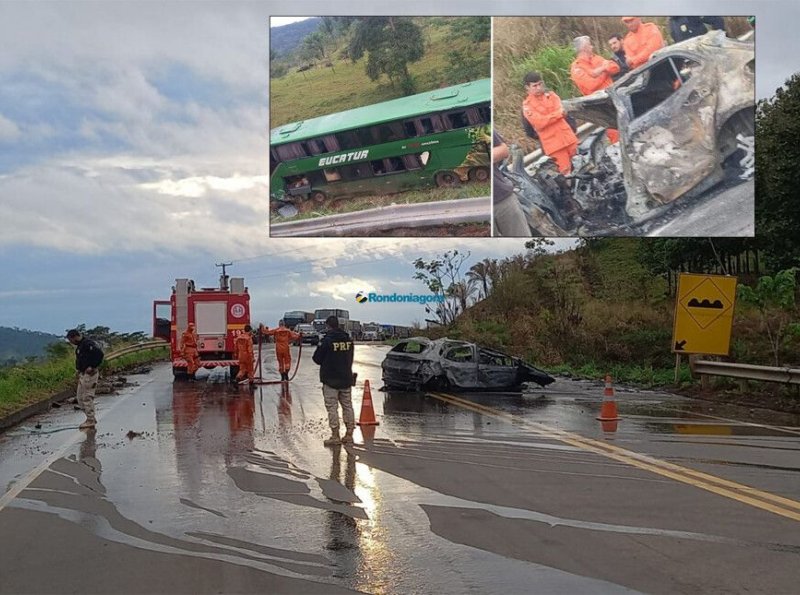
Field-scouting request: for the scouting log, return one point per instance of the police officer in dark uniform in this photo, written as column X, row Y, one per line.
column 334, row 355
column 88, row 357
column 683, row 28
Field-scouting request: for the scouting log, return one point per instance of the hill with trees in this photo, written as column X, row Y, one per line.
column 350, row 62
column 286, row 39
column 17, row 345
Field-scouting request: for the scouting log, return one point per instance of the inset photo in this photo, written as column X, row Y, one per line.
column 624, row 126
column 380, row 126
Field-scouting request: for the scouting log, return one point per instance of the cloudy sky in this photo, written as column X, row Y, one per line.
column 133, row 150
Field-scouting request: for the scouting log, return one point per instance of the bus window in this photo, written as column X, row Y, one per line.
column 457, row 119
column 426, row 124
column 356, row 171
column 349, row 140
column 378, row 167
column 317, row 178
column 410, row 128
column 412, row 162
column 332, row 174
column 312, row 147
column 290, row 151
column 473, row 116
column 388, row 132
column 330, row 143
column 395, row 164
column 485, row 112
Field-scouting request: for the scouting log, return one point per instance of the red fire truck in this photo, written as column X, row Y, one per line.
column 218, row 313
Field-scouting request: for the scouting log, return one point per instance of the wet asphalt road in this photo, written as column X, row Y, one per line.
column 231, row 490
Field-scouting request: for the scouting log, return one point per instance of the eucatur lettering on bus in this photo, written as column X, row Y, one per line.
column 343, row 158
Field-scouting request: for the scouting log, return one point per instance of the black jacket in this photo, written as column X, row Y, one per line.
column 619, row 58
column 334, row 354
column 87, row 355
column 683, row 28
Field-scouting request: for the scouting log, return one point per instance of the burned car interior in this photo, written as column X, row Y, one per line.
column 686, row 122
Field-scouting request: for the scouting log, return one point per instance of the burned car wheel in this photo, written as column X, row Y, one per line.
column 439, row 383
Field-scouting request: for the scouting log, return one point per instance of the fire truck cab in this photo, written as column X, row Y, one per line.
column 218, row 313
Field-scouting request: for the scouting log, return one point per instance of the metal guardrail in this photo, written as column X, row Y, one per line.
column 445, row 212
column 746, row 371
column 134, row 348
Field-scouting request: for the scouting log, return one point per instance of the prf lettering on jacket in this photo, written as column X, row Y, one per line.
column 342, row 345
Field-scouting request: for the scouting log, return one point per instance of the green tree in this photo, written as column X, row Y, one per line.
column 391, row 44
column 441, row 276
column 464, row 65
column 774, row 297
column 778, row 176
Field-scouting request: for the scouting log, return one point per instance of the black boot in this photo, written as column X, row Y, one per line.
column 285, row 376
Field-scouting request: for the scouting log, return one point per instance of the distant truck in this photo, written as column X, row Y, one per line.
column 321, row 315
column 218, row 313
column 293, row 318
column 310, row 336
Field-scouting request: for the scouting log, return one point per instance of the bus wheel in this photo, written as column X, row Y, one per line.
column 479, row 174
column 179, row 373
column 234, row 372
column 318, row 197
column 447, row 179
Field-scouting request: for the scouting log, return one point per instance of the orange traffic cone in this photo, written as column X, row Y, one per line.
column 609, row 427
column 608, row 411
column 367, row 417
column 368, row 434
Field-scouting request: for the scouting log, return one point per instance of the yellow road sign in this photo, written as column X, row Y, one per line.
column 704, row 314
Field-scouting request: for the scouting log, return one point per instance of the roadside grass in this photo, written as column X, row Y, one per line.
column 361, row 203
column 21, row 386
column 321, row 91
column 633, row 374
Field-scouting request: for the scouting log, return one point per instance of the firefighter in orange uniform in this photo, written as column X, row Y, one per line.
column 189, row 350
column 244, row 353
column 591, row 72
column 544, row 112
column 283, row 336
column 641, row 41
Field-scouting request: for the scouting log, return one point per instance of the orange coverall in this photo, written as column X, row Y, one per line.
column 189, row 350
column 581, row 74
column 639, row 46
column 546, row 115
column 244, row 353
column 283, row 336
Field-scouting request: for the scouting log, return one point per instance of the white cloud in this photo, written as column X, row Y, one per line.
column 9, row 131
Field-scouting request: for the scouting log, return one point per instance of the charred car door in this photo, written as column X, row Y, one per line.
column 496, row 370
column 461, row 366
column 666, row 113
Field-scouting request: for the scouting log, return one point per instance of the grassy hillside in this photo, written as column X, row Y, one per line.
column 324, row 90
column 285, row 39
column 16, row 345
column 596, row 310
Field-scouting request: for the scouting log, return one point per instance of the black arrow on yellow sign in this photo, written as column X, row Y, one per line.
column 679, row 345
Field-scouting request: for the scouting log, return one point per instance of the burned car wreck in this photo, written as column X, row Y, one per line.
column 686, row 121
column 420, row 363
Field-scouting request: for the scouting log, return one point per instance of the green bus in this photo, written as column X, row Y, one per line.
column 439, row 137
